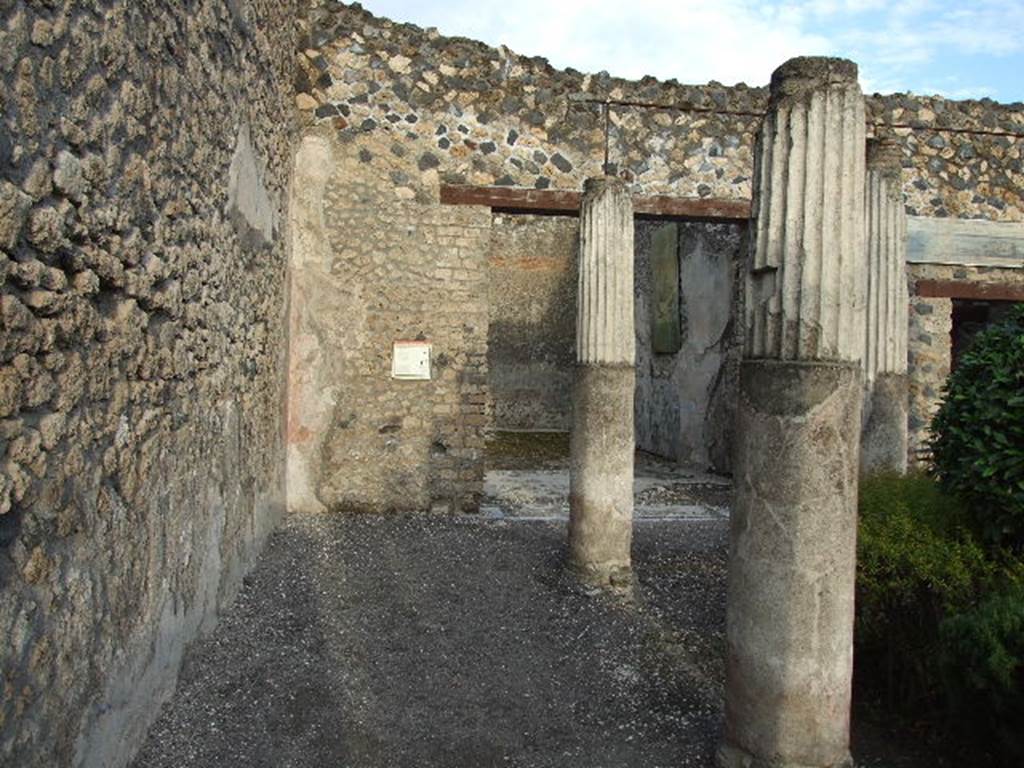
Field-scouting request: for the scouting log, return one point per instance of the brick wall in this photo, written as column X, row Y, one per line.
column 387, row 264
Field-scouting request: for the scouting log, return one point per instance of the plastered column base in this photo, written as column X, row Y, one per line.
column 601, row 474
column 884, row 439
column 732, row 757
column 792, row 559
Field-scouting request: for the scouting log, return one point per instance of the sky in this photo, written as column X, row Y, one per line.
column 964, row 49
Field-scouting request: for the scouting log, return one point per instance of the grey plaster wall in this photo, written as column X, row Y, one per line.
column 531, row 289
column 685, row 401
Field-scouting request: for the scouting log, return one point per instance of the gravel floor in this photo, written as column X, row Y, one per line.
column 426, row 641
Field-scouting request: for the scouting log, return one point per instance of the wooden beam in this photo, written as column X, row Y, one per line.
column 695, row 208
column 554, row 201
column 512, row 198
column 960, row 289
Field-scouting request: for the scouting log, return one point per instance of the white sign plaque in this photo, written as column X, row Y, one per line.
column 411, row 360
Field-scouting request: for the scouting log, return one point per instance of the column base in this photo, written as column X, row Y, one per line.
column 619, row 578
column 884, row 437
column 729, row 756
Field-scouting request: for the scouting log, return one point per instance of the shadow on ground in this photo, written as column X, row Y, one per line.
column 463, row 641
column 419, row 641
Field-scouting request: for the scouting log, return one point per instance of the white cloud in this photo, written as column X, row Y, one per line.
column 899, row 45
column 690, row 40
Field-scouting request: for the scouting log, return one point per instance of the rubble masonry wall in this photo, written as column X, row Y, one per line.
column 145, row 151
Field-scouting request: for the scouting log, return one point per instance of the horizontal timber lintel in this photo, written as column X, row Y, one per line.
column 549, row 201
column 959, row 289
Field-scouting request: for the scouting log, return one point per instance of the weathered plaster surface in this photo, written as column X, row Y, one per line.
column 531, row 348
column 685, row 401
column 601, row 474
column 789, row 657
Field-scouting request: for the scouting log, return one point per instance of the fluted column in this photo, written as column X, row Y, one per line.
column 806, row 289
column 602, row 443
column 793, row 528
column 884, row 437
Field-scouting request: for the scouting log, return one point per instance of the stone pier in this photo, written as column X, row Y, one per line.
column 793, row 527
column 601, row 446
column 884, row 437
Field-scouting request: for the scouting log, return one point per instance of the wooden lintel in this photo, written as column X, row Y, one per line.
column 696, row 208
column 960, row 289
column 548, row 201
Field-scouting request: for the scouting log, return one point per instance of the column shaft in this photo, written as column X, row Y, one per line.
column 884, row 435
column 792, row 563
column 602, row 440
column 792, row 542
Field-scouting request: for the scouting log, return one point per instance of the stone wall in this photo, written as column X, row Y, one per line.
column 531, row 284
column 144, row 161
column 491, row 117
column 454, row 111
column 376, row 260
column 480, row 115
column 930, row 343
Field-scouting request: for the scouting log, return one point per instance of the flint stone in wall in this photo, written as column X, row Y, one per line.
column 67, row 176
column 14, row 208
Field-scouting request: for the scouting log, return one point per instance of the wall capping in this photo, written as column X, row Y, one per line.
column 965, row 242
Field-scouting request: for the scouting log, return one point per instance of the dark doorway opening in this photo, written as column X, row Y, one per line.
column 970, row 317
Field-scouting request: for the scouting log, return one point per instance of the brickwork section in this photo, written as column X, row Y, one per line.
column 389, row 267
column 144, row 158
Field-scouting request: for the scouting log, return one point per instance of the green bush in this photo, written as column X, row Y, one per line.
column 940, row 618
column 983, row 651
column 978, row 433
column 917, row 563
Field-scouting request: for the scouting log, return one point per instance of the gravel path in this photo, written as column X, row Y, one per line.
column 462, row 642
column 426, row 641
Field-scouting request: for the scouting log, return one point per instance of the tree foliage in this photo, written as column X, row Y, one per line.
column 978, row 433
